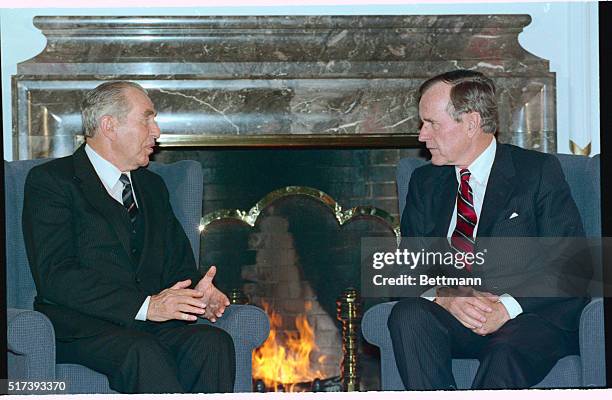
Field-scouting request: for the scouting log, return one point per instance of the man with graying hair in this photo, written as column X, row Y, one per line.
column 113, row 268
column 477, row 187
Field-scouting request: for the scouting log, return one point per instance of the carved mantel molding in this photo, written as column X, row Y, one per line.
column 278, row 80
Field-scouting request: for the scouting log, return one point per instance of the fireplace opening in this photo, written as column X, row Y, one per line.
column 290, row 355
column 302, row 249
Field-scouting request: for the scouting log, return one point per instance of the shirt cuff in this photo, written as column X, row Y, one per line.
column 142, row 313
column 512, row 306
column 430, row 294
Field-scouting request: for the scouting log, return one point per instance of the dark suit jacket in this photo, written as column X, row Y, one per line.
column 78, row 244
column 523, row 181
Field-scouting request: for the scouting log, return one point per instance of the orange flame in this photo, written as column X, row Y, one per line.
column 286, row 360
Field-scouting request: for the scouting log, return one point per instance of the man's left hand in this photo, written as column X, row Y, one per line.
column 213, row 298
column 495, row 320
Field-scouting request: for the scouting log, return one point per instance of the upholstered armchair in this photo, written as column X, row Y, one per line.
column 584, row 370
column 31, row 339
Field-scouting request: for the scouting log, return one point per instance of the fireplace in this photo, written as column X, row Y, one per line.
column 294, row 249
column 298, row 120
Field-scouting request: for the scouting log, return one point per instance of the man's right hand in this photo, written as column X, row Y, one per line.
column 469, row 306
column 176, row 302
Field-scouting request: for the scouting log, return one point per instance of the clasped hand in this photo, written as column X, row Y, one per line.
column 179, row 302
column 482, row 312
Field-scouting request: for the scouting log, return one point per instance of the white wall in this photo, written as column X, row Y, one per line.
column 564, row 33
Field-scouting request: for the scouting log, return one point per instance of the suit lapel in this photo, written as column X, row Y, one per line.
column 444, row 197
column 499, row 189
column 96, row 194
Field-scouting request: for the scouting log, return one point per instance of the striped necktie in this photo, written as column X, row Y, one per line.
column 462, row 239
column 128, row 198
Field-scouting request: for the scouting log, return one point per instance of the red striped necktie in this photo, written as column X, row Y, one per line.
column 462, row 239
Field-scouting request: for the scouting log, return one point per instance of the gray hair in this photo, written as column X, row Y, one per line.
column 471, row 91
column 106, row 99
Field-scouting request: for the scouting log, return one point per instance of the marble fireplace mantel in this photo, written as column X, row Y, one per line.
column 277, row 80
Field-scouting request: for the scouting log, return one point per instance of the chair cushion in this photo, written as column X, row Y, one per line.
column 82, row 380
column 565, row 374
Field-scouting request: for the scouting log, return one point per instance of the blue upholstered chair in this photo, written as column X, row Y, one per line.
column 31, row 339
column 586, row 370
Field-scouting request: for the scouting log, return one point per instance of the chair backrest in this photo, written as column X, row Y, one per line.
column 184, row 181
column 20, row 289
column 581, row 173
column 404, row 171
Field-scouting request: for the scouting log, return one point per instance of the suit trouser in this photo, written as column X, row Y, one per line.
column 157, row 358
column 426, row 338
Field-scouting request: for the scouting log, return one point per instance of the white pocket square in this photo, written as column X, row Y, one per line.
column 514, row 215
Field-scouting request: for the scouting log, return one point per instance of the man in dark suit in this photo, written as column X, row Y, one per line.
column 113, row 268
column 476, row 187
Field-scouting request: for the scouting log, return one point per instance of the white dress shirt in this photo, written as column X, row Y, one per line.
column 480, row 169
column 109, row 175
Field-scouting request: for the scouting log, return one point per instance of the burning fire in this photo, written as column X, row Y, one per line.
column 284, row 358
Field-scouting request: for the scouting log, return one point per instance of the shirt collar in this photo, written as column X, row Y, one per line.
column 480, row 168
column 107, row 172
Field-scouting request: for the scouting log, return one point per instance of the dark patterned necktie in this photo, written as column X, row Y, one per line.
column 462, row 239
column 128, row 198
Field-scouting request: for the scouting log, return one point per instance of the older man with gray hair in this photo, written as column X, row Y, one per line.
column 477, row 187
column 113, row 268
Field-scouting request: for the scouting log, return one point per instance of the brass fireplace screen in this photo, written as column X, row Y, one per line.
column 348, row 303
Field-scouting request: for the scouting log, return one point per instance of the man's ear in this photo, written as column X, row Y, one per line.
column 108, row 127
column 473, row 123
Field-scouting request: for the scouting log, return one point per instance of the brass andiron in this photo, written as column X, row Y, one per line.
column 237, row 296
column 349, row 313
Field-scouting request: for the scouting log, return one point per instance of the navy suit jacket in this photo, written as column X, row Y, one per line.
column 523, row 181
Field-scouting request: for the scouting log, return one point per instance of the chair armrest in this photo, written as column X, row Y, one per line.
column 374, row 324
column 247, row 324
column 592, row 344
column 249, row 327
column 375, row 330
column 30, row 345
